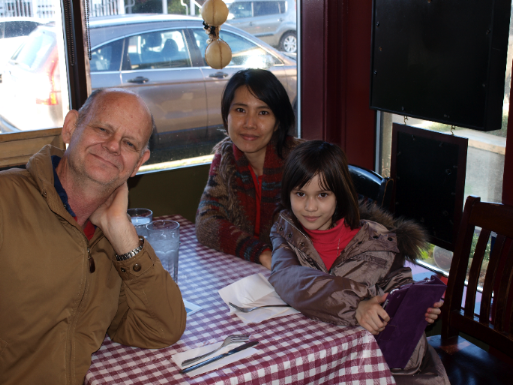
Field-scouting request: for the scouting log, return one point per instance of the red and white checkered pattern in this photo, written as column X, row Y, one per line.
column 292, row 349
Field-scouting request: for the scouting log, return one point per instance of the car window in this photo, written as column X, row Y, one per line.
column 162, row 49
column 19, row 28
column 36, row 49
column 282, row 5
column 263, row 8
column 244, row 52
column 2, row 30
column 240, row 10
column 107, row 57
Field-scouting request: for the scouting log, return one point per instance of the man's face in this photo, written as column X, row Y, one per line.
column 108, row 145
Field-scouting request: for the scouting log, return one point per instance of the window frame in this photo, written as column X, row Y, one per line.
column 334, row 78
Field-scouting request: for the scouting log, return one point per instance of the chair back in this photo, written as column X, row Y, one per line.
column 492, row 323
column 372, row 186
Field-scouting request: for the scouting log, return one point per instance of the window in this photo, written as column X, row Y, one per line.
column 19, row 28
column 158, row 50
column 263, row 8
column 244, row 53
column 33, row 79
column 107, row 57
column 159, row 57
column 241, row 10
column 34, row 91
column 485, row 162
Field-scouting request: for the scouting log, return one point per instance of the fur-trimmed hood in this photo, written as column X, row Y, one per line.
column 411, row 237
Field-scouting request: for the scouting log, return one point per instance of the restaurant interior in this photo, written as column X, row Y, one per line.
column 352, row 91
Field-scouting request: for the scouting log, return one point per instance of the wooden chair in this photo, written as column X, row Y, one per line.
column 372, row 186
column 464, row 362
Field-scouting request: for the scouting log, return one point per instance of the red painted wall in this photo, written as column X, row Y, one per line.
column 336, row 76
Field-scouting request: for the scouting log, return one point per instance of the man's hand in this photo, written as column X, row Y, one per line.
column 433, row 312
column 112, row 218
column 266, row 259
column 368, row 314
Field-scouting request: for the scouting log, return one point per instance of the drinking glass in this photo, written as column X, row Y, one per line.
column 140, row 218
column 164, row 237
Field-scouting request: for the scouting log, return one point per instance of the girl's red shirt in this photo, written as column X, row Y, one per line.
column 330, row 243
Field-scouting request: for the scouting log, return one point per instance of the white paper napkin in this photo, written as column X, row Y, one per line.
column 180, row 357
column 251, row 291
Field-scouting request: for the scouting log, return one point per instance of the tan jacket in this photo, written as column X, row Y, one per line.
column 54, row 312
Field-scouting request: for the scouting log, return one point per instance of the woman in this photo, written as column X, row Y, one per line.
column 243, row 188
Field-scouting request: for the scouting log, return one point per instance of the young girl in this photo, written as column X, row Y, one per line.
column 331, row 265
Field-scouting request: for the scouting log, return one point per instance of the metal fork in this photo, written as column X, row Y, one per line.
column 227, row 341
column 247, row 310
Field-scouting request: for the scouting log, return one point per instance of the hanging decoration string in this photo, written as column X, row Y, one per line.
column 68, row 21
column 218, row 53
column 88, row 33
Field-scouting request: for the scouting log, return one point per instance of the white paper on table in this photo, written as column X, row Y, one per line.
column 251, row 291
column 180, row 357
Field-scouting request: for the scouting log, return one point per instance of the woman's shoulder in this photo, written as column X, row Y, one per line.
column 225, row 146
column 291, row 143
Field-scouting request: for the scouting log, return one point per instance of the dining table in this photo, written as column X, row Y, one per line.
column 292, row 349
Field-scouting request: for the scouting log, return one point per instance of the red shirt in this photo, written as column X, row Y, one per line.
column 89, row 229
column 330, row 243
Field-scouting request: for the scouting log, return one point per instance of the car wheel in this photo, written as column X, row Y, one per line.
column 288, row 42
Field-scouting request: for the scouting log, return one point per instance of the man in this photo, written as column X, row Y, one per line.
column 71, row 264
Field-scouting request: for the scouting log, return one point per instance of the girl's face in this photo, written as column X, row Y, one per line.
column 251, row 122
column 313, row 206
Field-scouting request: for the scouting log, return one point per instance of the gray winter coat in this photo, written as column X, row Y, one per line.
column 371, row 264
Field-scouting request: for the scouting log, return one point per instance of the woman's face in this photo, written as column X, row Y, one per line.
column 251, row 123
column 313, row 206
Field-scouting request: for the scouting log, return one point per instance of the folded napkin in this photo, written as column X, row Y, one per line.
column 180, row 357
column 251, row 291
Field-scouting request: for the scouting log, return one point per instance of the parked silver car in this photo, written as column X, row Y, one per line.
column 273, row 21
column 160, row 57
column 13, row 32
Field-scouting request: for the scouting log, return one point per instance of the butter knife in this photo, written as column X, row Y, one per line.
column 233, row 351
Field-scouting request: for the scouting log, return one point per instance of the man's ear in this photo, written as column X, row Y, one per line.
column 70, row 123
column 142, row 160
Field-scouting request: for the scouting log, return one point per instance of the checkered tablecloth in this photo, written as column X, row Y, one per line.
column 292, row 350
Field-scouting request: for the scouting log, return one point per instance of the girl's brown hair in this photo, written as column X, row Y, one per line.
column 327, row 160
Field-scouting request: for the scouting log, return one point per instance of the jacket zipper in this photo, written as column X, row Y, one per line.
column 72, row 328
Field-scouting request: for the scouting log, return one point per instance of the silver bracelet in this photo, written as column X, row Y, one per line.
column 133, row 253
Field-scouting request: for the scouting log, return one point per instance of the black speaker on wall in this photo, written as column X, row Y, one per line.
column 441, row 60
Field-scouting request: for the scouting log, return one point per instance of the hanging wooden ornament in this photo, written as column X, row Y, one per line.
column 218, row 53
column 214, row 12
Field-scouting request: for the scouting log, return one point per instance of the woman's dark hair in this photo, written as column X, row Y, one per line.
column 266, row 87
column 327, row 160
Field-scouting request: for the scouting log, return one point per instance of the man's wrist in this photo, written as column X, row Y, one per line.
column 131, row 253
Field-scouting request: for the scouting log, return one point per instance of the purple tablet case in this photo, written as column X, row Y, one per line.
column 406, row 307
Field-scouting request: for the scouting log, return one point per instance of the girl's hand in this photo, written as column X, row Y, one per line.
column 433, row 312
column 266, row 259
column 371, row 315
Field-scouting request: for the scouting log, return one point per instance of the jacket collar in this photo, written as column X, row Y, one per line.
column 299, row 239
column 371, row 237
column 41, row 169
